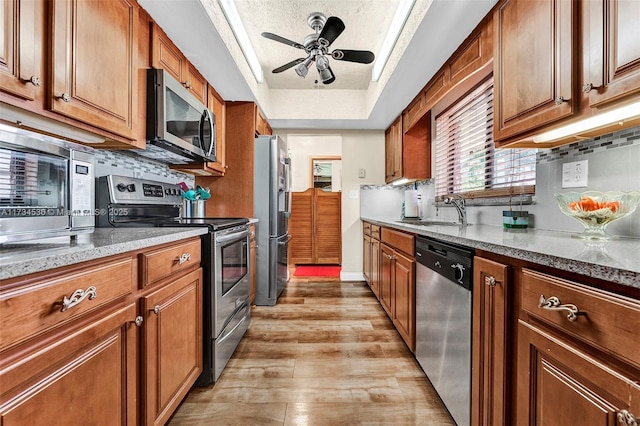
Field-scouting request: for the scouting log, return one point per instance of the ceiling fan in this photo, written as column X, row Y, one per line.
column 316, row 45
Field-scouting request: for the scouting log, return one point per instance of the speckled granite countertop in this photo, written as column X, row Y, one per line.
column 34, row 256
column 616, row 261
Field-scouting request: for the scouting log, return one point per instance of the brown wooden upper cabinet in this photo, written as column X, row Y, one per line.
column 18, row 74
column 533, row 65
column 393, row 151
column 94, row 63
column 217, row 107
column 166, row 55
column 262, row 125
column 558, row 61
column 614, row 50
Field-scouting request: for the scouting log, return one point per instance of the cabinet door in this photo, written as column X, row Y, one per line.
column 387, row 269
column 491, row 348
column 375, row 267
column 301, row 227
column 88, row 376
column 195, row 83
column 366, row 264
column 165, row 54
column 393, row 151
column 559, row 384
column 327, row 236
column 172, row 345
column 403, row 296
column 533, row 64
column 217, row 107
column 94, row 63
column 18, row 49
column 614, row 50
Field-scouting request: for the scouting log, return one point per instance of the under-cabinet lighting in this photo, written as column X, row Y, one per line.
column 233, row 18
column 400, row 182
column 592, row 123
column 397, row 23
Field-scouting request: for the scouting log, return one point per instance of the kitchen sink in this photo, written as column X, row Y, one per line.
column 430, row 222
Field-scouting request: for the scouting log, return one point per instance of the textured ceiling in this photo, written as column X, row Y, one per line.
column 366, row 23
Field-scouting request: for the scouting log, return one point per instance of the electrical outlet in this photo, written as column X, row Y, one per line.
column 362, row 173
column 575, row 174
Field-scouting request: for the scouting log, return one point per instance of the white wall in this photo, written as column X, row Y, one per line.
column 302, row 146
column 359, row 150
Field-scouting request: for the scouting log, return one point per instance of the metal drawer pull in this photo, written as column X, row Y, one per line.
column 490, row 281
column 184, row 257
column 627, row 418
column 553, row 304
column 78, row 296
column 138, row 321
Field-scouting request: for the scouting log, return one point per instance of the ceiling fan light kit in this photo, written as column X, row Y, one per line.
column 316, row 46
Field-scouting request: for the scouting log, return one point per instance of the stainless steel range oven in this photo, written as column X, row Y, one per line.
column 130, row 202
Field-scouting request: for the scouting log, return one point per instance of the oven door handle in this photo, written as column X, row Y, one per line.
column 242, row 311
column 221, row 239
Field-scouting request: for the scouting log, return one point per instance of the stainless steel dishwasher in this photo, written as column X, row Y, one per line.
column 443, row 322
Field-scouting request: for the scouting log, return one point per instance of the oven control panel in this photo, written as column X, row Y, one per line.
column 129, row 190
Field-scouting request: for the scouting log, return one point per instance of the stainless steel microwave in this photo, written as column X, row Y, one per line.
column 180, row 129
column 46, row 186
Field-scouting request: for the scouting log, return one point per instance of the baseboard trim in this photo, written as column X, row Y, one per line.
column 351, row 276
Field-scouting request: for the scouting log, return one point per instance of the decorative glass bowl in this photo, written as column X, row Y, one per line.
column 595, row 210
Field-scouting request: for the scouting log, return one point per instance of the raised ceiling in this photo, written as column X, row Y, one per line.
column 432, row 32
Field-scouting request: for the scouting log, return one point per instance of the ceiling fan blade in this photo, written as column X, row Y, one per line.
column 288, row 65
column 331, row 30
column 360, row 56
column 286, row 41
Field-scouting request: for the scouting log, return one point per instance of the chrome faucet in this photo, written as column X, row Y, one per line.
column 459, row 204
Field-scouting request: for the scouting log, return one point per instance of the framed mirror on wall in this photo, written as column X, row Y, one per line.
column 326, row 173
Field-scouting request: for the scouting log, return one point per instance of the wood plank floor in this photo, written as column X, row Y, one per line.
column 326, row 354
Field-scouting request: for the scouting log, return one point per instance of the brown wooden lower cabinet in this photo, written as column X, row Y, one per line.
column 387, row 271
column 172, row 342
column 558, row 384
column 88, row 376
column 127, row 355
column 491, row 344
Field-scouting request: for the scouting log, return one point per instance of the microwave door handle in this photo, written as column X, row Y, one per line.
column 207, row 115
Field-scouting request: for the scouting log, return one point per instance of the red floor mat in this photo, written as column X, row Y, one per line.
column 317, row 271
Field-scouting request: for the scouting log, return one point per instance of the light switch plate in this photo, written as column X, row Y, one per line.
column 353, row 194
column 574, row 174
column 362, row 173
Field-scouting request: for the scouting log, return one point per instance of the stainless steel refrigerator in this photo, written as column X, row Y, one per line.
column 272, row 207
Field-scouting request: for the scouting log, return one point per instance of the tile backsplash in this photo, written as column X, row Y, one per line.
column 128, row 164
column 614, row 164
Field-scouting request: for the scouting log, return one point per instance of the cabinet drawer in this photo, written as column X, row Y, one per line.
column 366, row 228
column 375, row 232
column 399, row 240
column 161, row 263
column 604, row 320
column 40, row 305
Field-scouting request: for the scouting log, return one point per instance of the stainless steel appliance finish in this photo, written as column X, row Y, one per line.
column 225, row 259
column 443, row 322
column 180, row 129
column 46, row 186
column 272, row 206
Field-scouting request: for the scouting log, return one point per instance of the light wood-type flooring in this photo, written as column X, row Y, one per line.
column 326, row 354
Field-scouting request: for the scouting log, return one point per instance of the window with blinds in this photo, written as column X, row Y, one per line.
column 467, row 161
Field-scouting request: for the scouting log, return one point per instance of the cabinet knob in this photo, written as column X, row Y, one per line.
column 156, row 309
column 138, row 321
column 490, row 280
column 65, row 97
column 559, row 100
column 33, row 80
column 587, row 87
column 626, row 418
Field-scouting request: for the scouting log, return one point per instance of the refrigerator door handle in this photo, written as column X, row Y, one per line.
column 287, row 167
column 289, row 237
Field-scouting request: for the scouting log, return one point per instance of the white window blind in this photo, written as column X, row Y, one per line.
column 467, row 161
